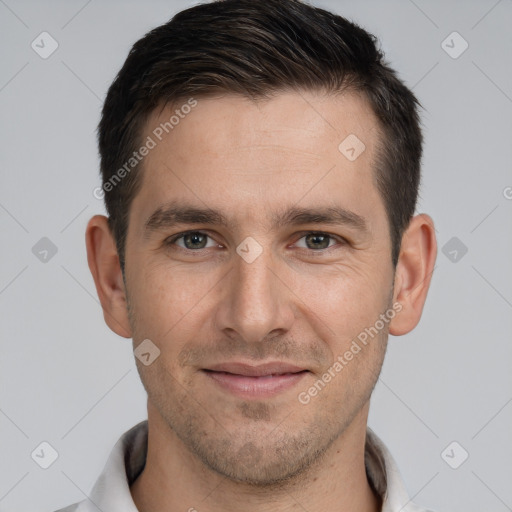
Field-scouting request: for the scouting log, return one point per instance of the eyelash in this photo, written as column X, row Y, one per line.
column 341, row 241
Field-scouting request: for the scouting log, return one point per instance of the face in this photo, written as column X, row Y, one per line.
column 252, row 300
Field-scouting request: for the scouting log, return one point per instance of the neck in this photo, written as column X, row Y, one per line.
column 175, row 480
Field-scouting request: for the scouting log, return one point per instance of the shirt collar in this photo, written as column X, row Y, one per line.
column 111, row 492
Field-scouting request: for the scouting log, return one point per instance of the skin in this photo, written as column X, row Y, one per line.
column 207, row 448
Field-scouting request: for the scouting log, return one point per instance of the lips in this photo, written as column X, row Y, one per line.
column 273, row 368
column 250, row 381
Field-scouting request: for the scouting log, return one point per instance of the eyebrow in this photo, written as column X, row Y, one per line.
column 171, row 214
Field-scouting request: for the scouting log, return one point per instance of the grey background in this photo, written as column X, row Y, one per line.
column 68, row 380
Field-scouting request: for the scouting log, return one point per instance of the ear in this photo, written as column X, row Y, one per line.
column 414, row 269
column 106, row 270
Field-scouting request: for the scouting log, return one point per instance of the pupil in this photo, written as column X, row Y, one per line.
column 195, row 239
column 322, row 239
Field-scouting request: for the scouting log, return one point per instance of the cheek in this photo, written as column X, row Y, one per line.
column 346, row 300
column 160, row 300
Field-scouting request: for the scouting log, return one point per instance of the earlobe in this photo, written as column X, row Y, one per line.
column 413, row 273
column 104, row 264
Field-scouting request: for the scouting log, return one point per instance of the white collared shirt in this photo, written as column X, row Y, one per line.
column 111, row 492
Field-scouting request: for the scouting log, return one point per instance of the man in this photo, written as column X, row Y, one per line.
column 260, row 168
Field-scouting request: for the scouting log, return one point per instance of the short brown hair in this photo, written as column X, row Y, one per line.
column 256, row 48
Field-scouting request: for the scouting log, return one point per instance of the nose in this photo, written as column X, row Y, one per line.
column 256, row 303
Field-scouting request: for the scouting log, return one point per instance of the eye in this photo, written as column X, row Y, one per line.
column 196, row 240
column 318, row 240
column 191, row 240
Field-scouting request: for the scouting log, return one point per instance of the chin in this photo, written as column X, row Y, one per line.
column 256, row 464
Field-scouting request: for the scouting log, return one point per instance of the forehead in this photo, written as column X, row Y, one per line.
column 293, row 117
column 230, row 151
